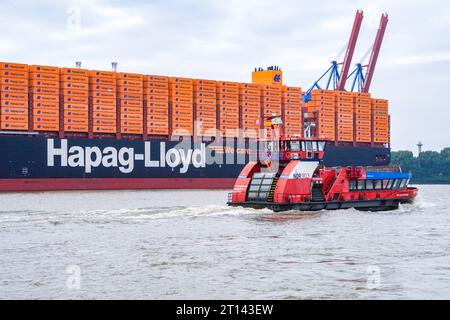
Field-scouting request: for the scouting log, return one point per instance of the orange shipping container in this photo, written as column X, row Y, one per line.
column 158, row 118
column 76, row 121
column 250, row 92
column 104, row 129
column 8, row 125
column 131, row 130
column 130, row 76
column 131, row 103
column 249, row 86
column 102, row 81
column 102, row 74
column 46, row 119
column 132, row 116
column 44, row 91
column 103, row 94
column 44, row 76
column 74, row 85
column 205, row 83
column 104, row 115
column 131, row 123
column 14, row 103
column 43, row 69
column 182, row 100
column 75, row 106
column 157, row 91
column 75, row 128
column 104, row 122
column 13, row 110
column 155, row 110
column 104, row 108
column 158, row 131
column 202, row 89
column 14, row 118
column 131, row 96
column 45, row 112
column 228, row 90
column 156, row 85
column 75, row 113
column 131, row 90
column 13, row 74
column 13, row 96
column 207, row 107
column 75, row 93
column 102, row 87
column 207, row 95
column 181, row 86
column 206, row 101
column 46, row 104
column 46, row 126
column 46, row 98
column 16, row 89
column 14, row 81
column 156, row 78
column 74, row 72
column 103, row 101
column 156, row 99
column 180, row 80
column 76, row 100
column 74, row 78
column 126, row 109
column 13, row 66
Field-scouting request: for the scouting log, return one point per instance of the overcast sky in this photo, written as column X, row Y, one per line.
column 226, row 39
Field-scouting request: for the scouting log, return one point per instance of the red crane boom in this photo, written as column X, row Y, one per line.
column 350, row 50
column 375, row 53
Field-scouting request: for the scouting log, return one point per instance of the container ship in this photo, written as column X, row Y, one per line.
column 78, row 129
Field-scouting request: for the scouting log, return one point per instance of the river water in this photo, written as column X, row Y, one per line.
column 189, row 245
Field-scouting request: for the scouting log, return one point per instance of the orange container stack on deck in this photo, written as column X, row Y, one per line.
column 363, row 117
column 380, row 120
column 271, row 104
column 228, row 104
column 156, row 102
column 103, row 96
column 45, row 90
column 75, row 99
column 181, row 96
column 344, row 116
column 130, row 91
column 323, row 103
column 292, row 111
column 205, row 106
column 250, row 109
column 14, row 96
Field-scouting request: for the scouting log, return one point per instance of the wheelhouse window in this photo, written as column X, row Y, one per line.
column 403, row 184
column 389, row 184
column 295, row 145
column 378, row 185
column 385, row 183
column 352, row 185
column 309, row 146
column 397, row 183
column 303, row 146
column 321, row 146
column 369, row 185
column 361, row 184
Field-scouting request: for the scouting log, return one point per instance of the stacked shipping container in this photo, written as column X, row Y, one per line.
column 103, row 96
column 228, row 104
column 14, row 96
column 324, row 104
column 75, row 99
column 47, row 98
column 292, row 111
column 271, row 104
column 380, row 120
column 156, row 103
column 344, row 116
column 250, row 108
column 363, row 118
column 130, row 91
column 181, row 94
column 205, row 105
column 44, row 89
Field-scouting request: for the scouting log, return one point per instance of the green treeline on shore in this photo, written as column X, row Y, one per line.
column 430, row 167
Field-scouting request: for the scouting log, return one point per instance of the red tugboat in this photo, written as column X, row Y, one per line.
column 293, row 177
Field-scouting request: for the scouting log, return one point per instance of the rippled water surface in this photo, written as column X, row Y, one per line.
column 188, row 244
